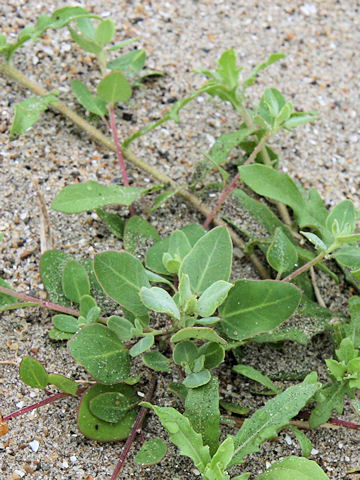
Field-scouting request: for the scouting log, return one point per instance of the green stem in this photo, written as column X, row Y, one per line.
column 305, row 267
column 99, row 137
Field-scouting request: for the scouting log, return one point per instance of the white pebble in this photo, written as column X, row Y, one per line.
column 73, row 459
column 34, row 445
column 308, row 9
column 19, row 473
column 288, row 440
column 65, row 464
column 20, row 404
column 314, row 451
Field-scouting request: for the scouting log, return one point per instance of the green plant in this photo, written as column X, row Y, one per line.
column 180, row 308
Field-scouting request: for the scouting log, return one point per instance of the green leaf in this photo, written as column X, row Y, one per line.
column 141, row 346
column 158, row 300
column 130, row 63
column 114, row 88
column 156, row 361
column 294, row 468
column 216, row 469
column 66, row 323
column 185, row 353
column 28, row 112
column 94, row 428
column 305, row 443
column 152, row 451
column 213, row 297
column 183, row 435
column 33, row 373
column 223, row 146
column 87, row 303
column 209, row 260
column 274, row 57
column 64, row 384
column 75, row 281
column 61, row 17
column 202, row 409
column 92, row 104
column 122, row 327
column 281, row 254
column 274, row 101
column 101, row 352
column 121, row 276
column 113, row 222
column 343, row 216
column 138, row 232
column 85, row 43
column 91, row 195
column 316, row 241
column 197, row 379
column 268, row 182
column 254, row 374
column 299, row 118
column 256, row 306
column 348, row 256
column 105, row 32
column 233, row 408
column 200, row 333
column 110, row 406
column 178, row 389
column 267, row 421
column 123, row 44
column 6, row 299
column 227, row 72
column 86, row 27
column 52, row 265
column 214, row 354
column 56, row 334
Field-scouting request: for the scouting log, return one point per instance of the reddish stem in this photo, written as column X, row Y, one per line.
column 135, row 429
column 52, row 398
column 344, row 423
column 305, row 267
column 42, row 303
column 118, row 150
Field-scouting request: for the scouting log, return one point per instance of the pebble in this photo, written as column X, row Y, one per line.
column 34, row 445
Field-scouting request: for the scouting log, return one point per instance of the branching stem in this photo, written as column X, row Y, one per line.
column 305, row 267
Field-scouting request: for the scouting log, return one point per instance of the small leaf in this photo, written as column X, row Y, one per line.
column 281, row 254
column 121, row 276
column 85, row 43
column 152, row 451
column 64, row 384
column 92, row 104
column 209, row 260
column 62, row 16
column 101, row 352
column 56, row 334
column 105, row 32
column 214, row 354
column 274, row 101
column 158, row 300
column 138, row 232
column 254, row 374
column 114, row 88
column 183, row 435
column 28, row 112
column 294, row 468
column 66, row 323
column 130, row 63
column 200, row 333
column 185, row 352
column 87, row 303
column 316, row 241
column 274, row 57
column 110, row 406
column 141, row 346
column 33, row 373
column 197, row 379
column 156, row 361
column 91, row 195
column 254, row 306
column 122, row 327
column 94, row 428
column 75, row 281
column 305, row 443
column 233, row 408
column 213, row 297
column 344, row 214
column 348, row 256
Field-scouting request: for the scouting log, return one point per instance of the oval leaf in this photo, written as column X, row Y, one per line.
column 256, row 306
column 64, row 384
column 158, row 300
column 75, row 281
column 141, row 346
column 91, row 195
column 101, row 352
column 197, row 379
column 156, row 361
column 213, row 297
column 110, row 406
column 151, row 452
column 33, row 373
column 121, row 276
column 209, row 260
column 94, row 428
column 296, row 468
column 200, row 333
column 122, row 327
column 114, row 88
column 281, row 254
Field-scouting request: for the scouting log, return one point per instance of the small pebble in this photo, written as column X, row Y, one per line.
column 34, row 445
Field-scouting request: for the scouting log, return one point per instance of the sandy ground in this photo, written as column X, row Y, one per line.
column 321, row 41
